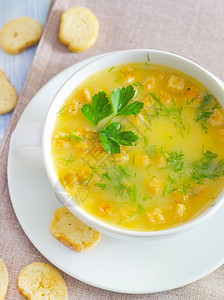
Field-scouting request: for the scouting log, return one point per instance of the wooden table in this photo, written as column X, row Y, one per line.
column 17, row 67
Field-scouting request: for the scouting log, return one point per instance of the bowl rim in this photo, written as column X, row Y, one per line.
column 88, row 218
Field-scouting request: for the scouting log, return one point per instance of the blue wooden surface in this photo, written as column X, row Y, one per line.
column 16, row 67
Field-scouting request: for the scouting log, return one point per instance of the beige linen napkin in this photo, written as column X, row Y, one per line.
column 194, row 29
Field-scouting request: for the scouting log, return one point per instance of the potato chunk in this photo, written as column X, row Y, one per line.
column 193, row 95
column 175, row 83
column 148, row 101
column 128, row 75
column 61, row 140
column 84, row 96
column 180, row 209
column 150, row 83
column 156, row 216
column 160, row 161
column 74, row 105
column 141, row 160
column 217, row 118
column 105, row 208
column 179, row 197
column 122, row 157
column 155, row 186
column 165, row 97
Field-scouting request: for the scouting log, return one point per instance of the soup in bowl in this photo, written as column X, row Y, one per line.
column 133, row 144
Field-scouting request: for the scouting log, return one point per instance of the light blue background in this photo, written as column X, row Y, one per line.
column 16, row 67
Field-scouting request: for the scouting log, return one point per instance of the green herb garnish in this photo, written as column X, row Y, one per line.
column 112, row 136
column 111, row 69
column 148, row 59
column 89, row 178
column 171, row 111
column 120, row 99
column 139, row 86
column 140, row 211
column 134, row 193
column 171, row 179
column 70, row 136
column 99, row 110
column 206, row 110
column 174, row 160
column 69, row 160
column 207, row 167
column 166, row 190
column 60, row 111
column 101, row 185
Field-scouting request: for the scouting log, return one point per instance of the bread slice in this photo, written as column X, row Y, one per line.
column 72, row 232
column 20, row 34
column 78, row 29
column 4, row 280
column 42, row 281
column 8, row 94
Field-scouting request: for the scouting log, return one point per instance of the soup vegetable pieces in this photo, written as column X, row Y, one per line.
column 141, row 147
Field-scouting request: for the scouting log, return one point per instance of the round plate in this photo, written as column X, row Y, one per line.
column 116, row 265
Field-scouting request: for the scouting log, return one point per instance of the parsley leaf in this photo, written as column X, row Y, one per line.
column 120, row 99
column 100, row 109
column 112, row 137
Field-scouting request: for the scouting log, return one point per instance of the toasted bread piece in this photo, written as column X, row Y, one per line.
column 42, row 281
column 20, row 34
column 8, row 94
column 72, row 232
column 78, row 29
column 4, row 280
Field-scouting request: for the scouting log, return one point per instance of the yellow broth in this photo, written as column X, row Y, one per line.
column 169, row 176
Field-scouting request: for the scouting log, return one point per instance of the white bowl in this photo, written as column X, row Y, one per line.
column 107, row 61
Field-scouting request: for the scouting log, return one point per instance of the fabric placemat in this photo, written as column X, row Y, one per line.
column 194, row 29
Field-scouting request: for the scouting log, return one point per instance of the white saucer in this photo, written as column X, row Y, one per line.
column 121, row 266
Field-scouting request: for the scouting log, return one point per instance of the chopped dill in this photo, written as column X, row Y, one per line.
column 106, row 176
column 89, row 178
column 141, row 208
column 207, row 167
column 146, row 141
column 171, row 179
column 133, row 160
column 139, row 87
column 70, row 136
column 140, row 211
column 123, row 171
column 101, row 185
column 69, row 160
column 111, row 69
column 174, row 112
column 134, row 193
column 148, row 60
column 60, row 111
column 206, row 110
column 174, row 160
column 166, row 191
column 76, row 137
column 191, row 101
column 185, row 188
